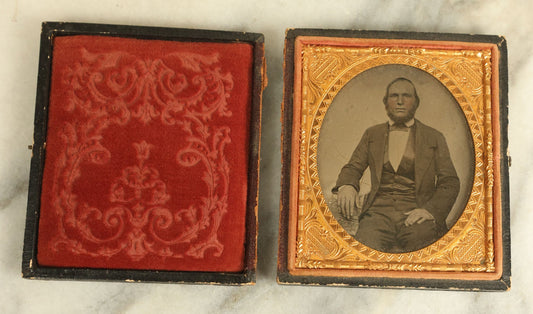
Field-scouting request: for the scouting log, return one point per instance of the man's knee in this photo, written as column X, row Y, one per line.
column 375, row 231
column 417, row 236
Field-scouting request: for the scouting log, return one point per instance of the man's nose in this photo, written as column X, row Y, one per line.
column 400, row 100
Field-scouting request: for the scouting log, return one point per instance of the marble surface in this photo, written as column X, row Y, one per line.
column 20, row 22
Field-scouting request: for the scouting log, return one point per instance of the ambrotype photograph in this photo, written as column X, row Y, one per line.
column 395, row 166
column 395, row 158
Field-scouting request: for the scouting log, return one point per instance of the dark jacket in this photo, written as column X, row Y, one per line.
column 436, row 181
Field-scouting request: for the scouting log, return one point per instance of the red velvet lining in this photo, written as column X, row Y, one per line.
column 146, row 155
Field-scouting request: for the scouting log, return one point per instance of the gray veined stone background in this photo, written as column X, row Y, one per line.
column 20, row 22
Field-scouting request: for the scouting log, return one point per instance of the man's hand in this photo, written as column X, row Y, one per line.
column 346, row 201
column 417, row 215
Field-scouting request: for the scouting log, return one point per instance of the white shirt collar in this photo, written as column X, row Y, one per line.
column 408, row 123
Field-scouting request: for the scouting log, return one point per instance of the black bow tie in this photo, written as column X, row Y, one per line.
column 399, row 127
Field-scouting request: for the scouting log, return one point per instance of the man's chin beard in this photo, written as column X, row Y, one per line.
column 397, row 119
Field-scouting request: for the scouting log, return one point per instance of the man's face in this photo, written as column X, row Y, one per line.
column 401, row 102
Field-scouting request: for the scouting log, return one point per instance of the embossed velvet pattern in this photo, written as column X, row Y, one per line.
column 146, row 155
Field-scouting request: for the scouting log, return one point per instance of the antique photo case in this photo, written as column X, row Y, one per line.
column 145, row 163
column 395, row 166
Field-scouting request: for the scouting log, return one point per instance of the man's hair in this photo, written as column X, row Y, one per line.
column 398, row 80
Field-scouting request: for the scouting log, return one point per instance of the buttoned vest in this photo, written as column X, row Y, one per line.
column 399, row 185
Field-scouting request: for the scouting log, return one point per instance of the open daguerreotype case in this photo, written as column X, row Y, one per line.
column 395, row 165
column 146, row 155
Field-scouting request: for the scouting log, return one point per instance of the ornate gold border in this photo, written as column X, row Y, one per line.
column 320, row 241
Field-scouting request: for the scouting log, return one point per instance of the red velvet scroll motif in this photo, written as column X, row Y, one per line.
column 146, row 155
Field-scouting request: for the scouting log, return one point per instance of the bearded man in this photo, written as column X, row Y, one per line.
column 413, row 181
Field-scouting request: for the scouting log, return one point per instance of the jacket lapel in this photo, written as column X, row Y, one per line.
column 423, row 154
column 377, row 149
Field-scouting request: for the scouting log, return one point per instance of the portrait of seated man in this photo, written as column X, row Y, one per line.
column 414, row 183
